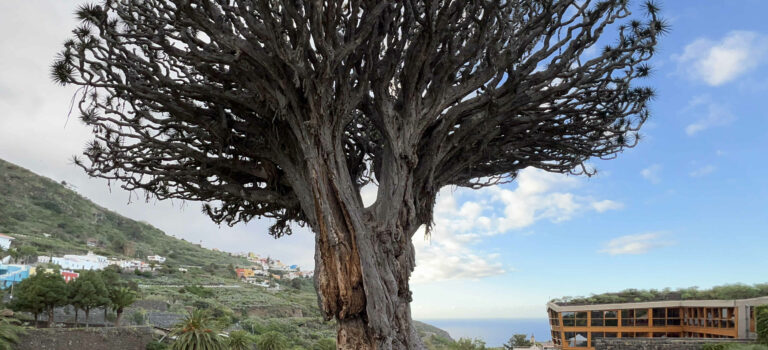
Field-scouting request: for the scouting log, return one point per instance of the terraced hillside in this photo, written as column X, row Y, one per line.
column 55, row 219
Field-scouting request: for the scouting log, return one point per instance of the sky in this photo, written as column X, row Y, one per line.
column 687, row 207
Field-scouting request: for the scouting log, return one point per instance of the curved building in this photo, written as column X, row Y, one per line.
column 576, row 326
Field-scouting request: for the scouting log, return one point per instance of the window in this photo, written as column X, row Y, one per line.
column 597, row 319
column 607, row 318
column 641, row 317
column 628, row 318
column 673, row 316
column 569, row 319
column 581, row 319
column 659, row 317
column 576, row 339
column 627, row 335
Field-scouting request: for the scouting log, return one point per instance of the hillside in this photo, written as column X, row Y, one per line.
column 55, row 219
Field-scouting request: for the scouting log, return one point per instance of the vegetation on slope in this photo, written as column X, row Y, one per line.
column 724, row 292
column 56, row 220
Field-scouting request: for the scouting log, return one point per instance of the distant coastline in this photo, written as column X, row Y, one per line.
column 495, row 331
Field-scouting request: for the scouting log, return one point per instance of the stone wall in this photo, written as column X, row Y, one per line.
column 267, row 311
column 659, row 343
column 122, row 338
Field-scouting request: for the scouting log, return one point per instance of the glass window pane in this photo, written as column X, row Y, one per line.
column 597, row 322
column 611, row 335
column 597, row 314
column 576, row 339
column 611, row 323
column 569, row 314
column 627, row 314
column 611, row 314
column 659, row 313
column 581, row 314
column 581, row 322
column 673, row 313
column 641, row 313
column 569, row 322
column 627, row 323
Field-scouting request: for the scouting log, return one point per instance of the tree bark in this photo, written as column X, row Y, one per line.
column 119, row 312
column 363, row 261
column 87, row 312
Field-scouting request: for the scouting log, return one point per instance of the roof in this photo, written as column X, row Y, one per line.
column 652, row 304
column 6, row 236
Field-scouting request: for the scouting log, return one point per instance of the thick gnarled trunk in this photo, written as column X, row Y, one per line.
column 362, row 265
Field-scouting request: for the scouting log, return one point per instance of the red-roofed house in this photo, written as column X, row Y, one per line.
column 69, row 275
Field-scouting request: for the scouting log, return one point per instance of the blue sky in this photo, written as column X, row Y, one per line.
column 687, row 207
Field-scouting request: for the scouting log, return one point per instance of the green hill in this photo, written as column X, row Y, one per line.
column 46, row 214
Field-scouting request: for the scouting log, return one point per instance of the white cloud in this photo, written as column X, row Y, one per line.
column 718, row 62
column 465, row 218
column 712, row 114
column 607, row 204
column 707, row 169
column 652, row 173
column 635, row 244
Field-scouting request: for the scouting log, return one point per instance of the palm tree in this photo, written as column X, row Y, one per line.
column 197, row 332
column 10, row 330
column 272, row 341
column 240, row 340
column 120, row 298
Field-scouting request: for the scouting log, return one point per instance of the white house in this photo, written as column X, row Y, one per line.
column 89, row 261
column 156, row 258
column 5, row 241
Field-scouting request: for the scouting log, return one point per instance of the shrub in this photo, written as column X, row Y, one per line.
column 156, row 345
column 761, row 318
column 272, row 341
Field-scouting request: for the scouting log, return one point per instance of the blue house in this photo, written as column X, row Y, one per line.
column 12, row 274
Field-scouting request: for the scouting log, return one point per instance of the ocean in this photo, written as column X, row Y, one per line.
column 494, row 332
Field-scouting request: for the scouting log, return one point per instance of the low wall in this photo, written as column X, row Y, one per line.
column 121, row 338
column 266, row 311
column 659, row 343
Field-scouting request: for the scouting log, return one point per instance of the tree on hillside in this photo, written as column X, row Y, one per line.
column 87, row 292
column 119, row 299
column 286, row 109
column 28, row 297
column 53, row 292
column 26, row 253
column 517, row 340
column 468, row 344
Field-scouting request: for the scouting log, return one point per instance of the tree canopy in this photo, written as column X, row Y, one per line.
column 87, row 292
column 211, row 100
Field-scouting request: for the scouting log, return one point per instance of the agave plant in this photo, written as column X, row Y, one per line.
column 197, row 332
column 240, row 340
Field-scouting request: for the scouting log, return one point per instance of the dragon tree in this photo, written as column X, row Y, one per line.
column 285, row 109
